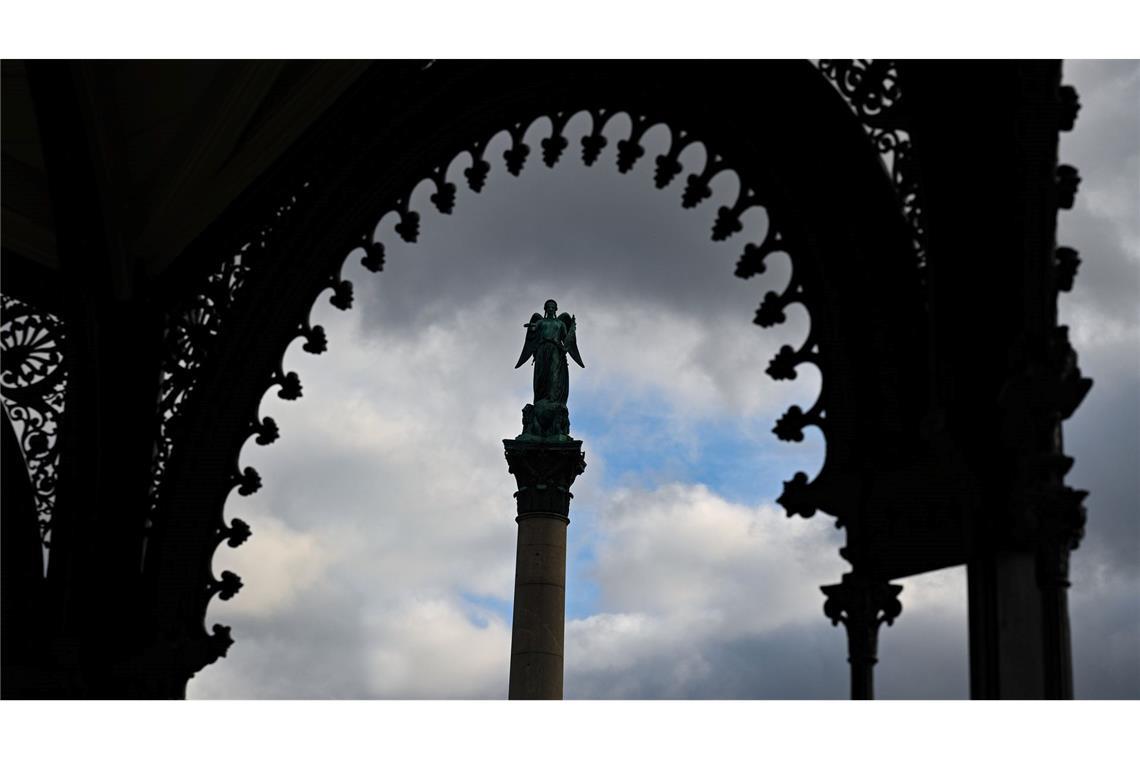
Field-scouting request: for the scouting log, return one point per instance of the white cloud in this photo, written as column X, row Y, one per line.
column 682, row 550
column 682, row 572
column 433, row 649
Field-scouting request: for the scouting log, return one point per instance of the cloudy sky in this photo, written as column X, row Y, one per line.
column 382, row 557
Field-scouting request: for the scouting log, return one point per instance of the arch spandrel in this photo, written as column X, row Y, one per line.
column 796, row 148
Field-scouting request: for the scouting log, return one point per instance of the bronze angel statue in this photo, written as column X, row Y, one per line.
column 549, row 339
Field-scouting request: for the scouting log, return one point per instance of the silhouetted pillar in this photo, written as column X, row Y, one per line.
column 1018, row 590
column 862, row 605
column 1019, row 625
column 1053, row 580
column 544, row 473
column 1005, row 627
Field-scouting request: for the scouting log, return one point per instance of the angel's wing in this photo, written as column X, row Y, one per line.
column 530, row 342
column 571, row 339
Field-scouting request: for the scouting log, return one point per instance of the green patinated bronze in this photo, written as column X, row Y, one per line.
column 548, row 340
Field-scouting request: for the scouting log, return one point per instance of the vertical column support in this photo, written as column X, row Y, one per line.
column 1056, row 645
column 1020, row 645
column 862, row 605
column 544, row 473
column 107, row 435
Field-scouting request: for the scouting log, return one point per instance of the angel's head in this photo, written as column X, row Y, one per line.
column 551, row 307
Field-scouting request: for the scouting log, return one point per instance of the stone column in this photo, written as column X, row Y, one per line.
column 544, row 472
column 862, row 605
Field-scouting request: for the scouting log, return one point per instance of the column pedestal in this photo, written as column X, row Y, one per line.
column 544, row 473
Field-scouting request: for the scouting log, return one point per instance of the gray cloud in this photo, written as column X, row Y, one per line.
column 1104, row 435
column 553, row 231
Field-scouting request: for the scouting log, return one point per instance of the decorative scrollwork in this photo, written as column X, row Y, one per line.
column 791, row 426
column 477, row 173
column 1068, row 180
column 871, row 89
column 796, row 498
column 630, row 150
column 752, row 262
column 33, row 386
column 266, row 430
column 1069, row 105
column 342, row 294
column 1066, row 261
column 444, row 196
column 516, row 155
column 249, row 482
column 290, row 389
column 556, row 144
column 227, row 586
column 192, row 330
column 237, row 533
column 373, row 259
column 316, row 342
column 219, row 643
column 696, row 190
column 593, row 143
column 408, row 228
column 784, row 363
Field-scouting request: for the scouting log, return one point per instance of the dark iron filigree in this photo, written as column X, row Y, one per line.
column 1068, row 180
column 554, row 146
column 871, row 89
column 1069, row 106
column 227, row 586
column 477, row 173
column 1066, row 261
column 593, row 143
column 33, row 386
column 266, row 430
column 249, row 482
column 191, row 334
column 444, row 196
column 373, row 259
column 516, row 155
column 796, row 498
column 237, row 533
column 192, row 330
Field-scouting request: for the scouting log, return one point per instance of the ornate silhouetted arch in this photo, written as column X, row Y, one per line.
column 797, row 148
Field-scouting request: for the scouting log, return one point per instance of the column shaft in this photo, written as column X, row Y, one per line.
column 540, row 607
column 1019, row 630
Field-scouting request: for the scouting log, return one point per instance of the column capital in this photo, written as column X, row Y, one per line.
column 861, row 601
column 862, row 604
column 544, row 472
